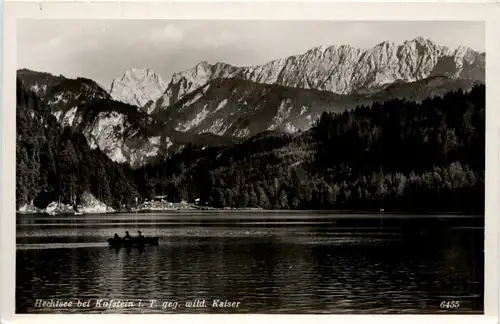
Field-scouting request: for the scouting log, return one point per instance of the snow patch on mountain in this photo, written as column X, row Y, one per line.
column 192, row 101
column 221, row 105
column 243, row 132
column 284, row 111
column 218, row 127
column 197, row 120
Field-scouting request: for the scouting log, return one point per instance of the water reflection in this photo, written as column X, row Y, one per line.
column 289, row 269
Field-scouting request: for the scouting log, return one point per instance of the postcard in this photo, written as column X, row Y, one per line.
column 177, row 162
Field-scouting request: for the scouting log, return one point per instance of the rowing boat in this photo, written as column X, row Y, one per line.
column 133, row 241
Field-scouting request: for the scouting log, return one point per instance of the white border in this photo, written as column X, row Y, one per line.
column 488, row 12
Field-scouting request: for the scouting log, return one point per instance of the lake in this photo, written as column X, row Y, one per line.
column 267, row 262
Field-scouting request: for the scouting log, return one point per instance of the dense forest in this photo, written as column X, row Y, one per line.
column 397, row 155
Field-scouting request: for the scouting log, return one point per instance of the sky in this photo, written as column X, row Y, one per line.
column 104, row 49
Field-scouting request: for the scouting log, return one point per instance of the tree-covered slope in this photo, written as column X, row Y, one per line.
column 241, row 108
column 396, row 155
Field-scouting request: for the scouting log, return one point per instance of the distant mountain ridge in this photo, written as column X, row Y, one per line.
column 341, row 69
column 38, row 82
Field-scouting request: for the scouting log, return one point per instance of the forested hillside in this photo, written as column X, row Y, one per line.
column 53, row 163
column 397, row 155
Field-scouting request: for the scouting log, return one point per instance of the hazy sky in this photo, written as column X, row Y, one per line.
column 103, row 49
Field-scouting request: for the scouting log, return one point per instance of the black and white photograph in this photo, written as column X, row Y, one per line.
column 197, row 166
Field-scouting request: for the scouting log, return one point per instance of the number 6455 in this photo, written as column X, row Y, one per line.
column 450, row 304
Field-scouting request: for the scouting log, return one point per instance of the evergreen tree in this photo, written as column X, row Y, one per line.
column 283, row 200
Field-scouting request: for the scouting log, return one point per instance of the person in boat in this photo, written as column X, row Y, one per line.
column 140, row 234
column 116, row 237
column 127, row 236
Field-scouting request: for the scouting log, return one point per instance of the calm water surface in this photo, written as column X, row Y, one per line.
column 297, row 262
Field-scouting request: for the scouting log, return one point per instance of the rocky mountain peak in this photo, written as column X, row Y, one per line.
column 200, row 71
column 138, row 73
column 138, row 86
column 203, row 66
column 465, row 53
column 422, row 40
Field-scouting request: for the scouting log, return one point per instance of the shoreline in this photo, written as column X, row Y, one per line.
column 253, row 210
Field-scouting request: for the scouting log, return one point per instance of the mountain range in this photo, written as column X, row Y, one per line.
column 143, row 118
column 341, row 69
